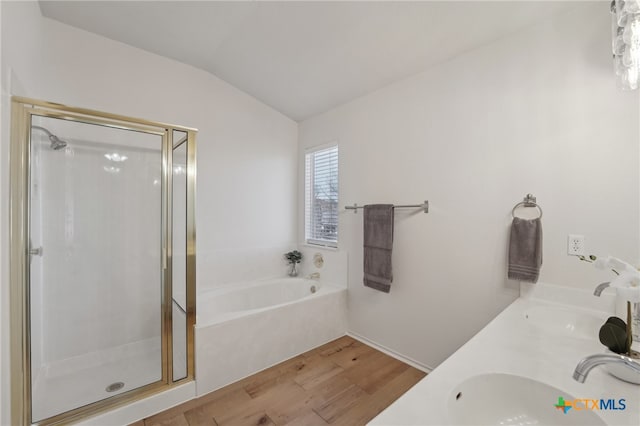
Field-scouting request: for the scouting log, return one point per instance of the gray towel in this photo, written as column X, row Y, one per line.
column 525, row 250
column 378, row 245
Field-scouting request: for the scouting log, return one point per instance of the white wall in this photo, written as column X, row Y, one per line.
column 537, row 112
column 239, row 139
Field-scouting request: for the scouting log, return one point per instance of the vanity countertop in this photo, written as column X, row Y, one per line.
column 525, row 340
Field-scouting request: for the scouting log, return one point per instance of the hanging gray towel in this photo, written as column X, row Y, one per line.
column 525, row 250
column 378, row 245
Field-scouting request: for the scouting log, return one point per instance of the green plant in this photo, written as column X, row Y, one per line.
column 293, row 256
column 629, row 335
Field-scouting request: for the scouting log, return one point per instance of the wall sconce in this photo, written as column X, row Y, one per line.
column 625, row 32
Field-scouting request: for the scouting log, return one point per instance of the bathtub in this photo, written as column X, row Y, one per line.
column 243, row 328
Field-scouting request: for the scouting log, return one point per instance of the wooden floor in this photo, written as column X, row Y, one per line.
column 344, row 382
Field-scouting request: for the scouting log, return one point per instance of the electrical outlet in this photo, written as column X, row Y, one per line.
column 575, row 245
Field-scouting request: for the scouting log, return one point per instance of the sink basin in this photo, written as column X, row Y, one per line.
column 505, row 399
column 565, row 321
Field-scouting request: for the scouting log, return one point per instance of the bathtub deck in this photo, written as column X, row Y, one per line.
column 344, row 382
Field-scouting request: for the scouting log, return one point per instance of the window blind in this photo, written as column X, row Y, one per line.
column 321, row 197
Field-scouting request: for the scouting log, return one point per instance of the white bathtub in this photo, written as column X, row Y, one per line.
column 234, row 300
column 246, row 327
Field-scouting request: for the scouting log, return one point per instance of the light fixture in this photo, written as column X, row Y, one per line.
column 114, row 156
column 625, row 32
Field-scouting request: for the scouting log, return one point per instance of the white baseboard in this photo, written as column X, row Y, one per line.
column 412, row 362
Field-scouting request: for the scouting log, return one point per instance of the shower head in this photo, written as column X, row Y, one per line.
column 56, row 142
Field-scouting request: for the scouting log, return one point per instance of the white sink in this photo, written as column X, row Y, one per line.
column 563, row 321
column 505, row 399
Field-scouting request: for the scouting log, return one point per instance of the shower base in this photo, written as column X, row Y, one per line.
column 72, row 383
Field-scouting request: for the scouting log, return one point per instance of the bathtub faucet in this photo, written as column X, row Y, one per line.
column 314, row 276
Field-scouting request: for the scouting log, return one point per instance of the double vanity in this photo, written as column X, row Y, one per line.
column 519, row 370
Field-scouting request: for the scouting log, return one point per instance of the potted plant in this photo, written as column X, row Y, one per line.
column 615, row 333
column 293, row 257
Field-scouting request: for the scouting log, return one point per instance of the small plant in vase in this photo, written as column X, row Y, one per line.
column 293, row 257
column 616, row 334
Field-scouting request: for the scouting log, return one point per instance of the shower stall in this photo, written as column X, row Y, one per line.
column 102, row 260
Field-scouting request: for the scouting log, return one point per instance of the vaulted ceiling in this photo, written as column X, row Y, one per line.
column 304, row 58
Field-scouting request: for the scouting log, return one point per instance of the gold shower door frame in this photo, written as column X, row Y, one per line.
column 22, row 109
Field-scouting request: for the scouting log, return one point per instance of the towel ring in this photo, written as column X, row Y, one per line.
column 529, row 201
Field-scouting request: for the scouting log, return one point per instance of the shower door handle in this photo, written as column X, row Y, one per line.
column 35, row 251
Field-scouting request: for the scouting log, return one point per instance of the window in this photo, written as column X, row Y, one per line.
column 321, row 196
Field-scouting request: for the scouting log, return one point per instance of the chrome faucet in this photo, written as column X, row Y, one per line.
column 598, row 291
column 589, row 363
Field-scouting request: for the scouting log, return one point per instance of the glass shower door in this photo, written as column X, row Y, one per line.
column 95, row 273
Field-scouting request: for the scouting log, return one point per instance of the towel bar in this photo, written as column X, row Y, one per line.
column 424, row 206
